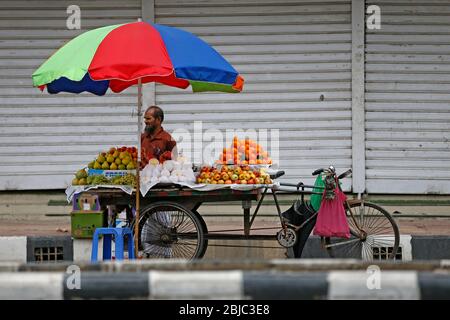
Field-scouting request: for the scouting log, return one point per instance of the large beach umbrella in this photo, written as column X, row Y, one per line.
column 119, row 56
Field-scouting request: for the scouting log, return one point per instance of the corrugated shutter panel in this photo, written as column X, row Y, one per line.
column 45, row 138
column 408, row 98
column 296, row 59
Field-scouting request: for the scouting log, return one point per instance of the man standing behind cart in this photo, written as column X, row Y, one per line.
column 155, row 141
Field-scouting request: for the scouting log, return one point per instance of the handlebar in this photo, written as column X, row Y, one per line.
column 277, row 174
column 345, row 174
column 318, row 171
column 332, row 170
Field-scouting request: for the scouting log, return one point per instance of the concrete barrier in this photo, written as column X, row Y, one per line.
column 226, row 285
column 31, row 286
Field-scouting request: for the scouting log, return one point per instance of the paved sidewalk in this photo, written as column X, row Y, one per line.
column 61, row 226
column 35, row 228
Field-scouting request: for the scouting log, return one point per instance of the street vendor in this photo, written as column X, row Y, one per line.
column 155, row 141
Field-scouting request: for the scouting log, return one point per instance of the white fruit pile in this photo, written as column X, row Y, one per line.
column 169, row 172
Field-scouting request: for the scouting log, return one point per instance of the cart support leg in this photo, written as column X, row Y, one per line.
column 246, row 205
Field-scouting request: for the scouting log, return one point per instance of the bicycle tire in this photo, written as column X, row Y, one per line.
column 160, row 235
column 381, row 232
column 205, row 232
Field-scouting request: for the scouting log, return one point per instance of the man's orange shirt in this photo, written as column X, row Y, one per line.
column 153, row 146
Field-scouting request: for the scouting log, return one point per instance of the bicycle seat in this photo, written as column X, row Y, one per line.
column 277, row 174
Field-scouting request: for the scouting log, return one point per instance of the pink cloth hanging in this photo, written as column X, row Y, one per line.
column 331, row 218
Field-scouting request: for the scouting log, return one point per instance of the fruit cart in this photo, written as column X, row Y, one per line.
column 170, row 224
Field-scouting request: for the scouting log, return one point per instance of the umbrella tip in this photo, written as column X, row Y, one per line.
column 239, row 83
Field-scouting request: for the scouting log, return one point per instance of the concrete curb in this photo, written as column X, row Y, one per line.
column 13, row 249
column 229, row 285
column 275, row 265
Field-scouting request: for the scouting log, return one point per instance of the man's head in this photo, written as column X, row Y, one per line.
column 153, row 117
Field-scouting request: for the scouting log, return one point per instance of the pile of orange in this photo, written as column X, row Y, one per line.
column 233, row 175
column 244, row 152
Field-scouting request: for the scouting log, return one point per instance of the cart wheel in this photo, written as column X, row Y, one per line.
column 378, row 239
column 168, row 230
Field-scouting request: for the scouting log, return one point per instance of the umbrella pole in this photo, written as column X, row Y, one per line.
column 138, row 182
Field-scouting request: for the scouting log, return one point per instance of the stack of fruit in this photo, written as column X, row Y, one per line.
column 244, row 152
column 123, row 158
column 233, row 175
column 128, row 179
column 81, row 178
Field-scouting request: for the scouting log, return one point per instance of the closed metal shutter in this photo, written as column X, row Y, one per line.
column 296, row 59
column 45, row 138
column 408, row 98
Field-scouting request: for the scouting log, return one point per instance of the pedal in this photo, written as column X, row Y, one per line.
column 287, row 237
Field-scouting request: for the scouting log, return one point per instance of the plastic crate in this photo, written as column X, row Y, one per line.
column 84, row 224
column 86, row 215
column 110, row 173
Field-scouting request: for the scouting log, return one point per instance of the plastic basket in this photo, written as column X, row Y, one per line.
column 110, row 173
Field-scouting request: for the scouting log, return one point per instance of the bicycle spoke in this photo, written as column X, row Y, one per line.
column 368, row 218
column 186, row 227
column 353, row 247
column 379, row 231
column 190, row 235
column 381, row 242
column 378, row 223
column 367, row 251
column 384, row 224
column 360, row 215
column 185, row 251
column 345, row 242
column 371, row 218
column 346, row 248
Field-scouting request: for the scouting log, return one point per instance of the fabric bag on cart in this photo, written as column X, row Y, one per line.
column 331, row 218
column 305, row 231
column 316, row 199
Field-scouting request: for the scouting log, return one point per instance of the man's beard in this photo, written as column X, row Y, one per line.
column 150, row 129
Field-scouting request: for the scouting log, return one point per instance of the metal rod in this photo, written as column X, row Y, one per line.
column 246, row 217
column 230, row 230
column 306, row 221
column 138, row 182
column 342, row 243
column 278, row 209
column 289, row 191
column 257, row 207
column 243, row 246
column 286, row 184
column 240, row 237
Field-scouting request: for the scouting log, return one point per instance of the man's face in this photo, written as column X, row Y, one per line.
column 151, row 123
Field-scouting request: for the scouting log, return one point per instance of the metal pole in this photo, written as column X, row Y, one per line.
column 138, row 182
